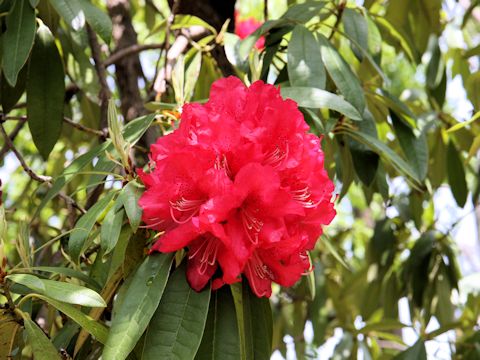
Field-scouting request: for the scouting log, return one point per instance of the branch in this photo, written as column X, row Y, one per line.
column 12, row 137
column 104, row 94
column 179, row 46
column 85, row 128
column 28, row 170
column 33, row 175
column 131, row 50
column 340, row 8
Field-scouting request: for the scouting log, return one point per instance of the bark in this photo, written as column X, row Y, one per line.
column 216, row 13
column 127, row 69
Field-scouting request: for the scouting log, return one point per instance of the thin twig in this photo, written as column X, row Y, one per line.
column 162, row 86
column 265, row 10
column 33, row 175
column 28, row 170
column 131, row 50
column 12, row 137
column 340, row 9
column 104, row 94
column 84, row 128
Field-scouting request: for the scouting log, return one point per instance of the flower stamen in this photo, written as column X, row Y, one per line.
column 251, row 225
column 185, row 206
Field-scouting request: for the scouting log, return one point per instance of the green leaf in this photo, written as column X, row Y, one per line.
column 220, row 338
column 356, row 27
column 71, row 12
column 186, row 21
column 11, row 95
column 399, row 37
column 111, row 227
column 129, row 197
column 176, row 328
column 341, row 74
column 34, row 3
column 365, row 161
column 416, row 352
column 255, row 323
column 84, row 225
column 434, row 67
column 94, row 328
column 317, row 98
column 456, row 175
column 72, row 294
column 192, row 74
column 71, row 171
column 138, row 306
column 415, row 148
column 132, row 132
column 62, row 291
column 42, row 348
column 305, row 66
column 388, row 154
column 97, row 19
column 463, row 124
column 17, row 39
column 45, row 92
column 304, row 12
column 30, row 281
column 68, row 272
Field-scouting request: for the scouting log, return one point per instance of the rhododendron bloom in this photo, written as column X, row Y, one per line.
column 245, row 27
column 241, row 185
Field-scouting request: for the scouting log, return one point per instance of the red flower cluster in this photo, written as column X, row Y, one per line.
column 242, row 185
column 245, row 27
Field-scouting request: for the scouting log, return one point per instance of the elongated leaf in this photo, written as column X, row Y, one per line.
column 72, row 294
column 138, row 306
column 363, row 159
column 434, row 67
column 415, row 148
column 93, row 327
column 84, row 225
column 71, row 12
column 220, row 338
column 129, row 197
column 397, row 35
column 18, row 39
column 461, row 125
column 42, row 348
column 133, row 131
column 317, row 98
column 186, row 21
column 305, row 67
column 388, row 154
column 68, row 272
column 341, row 74
column 254, row 318
column 70, row 172
column 356, row 27
column 45, row 92
column 111, row 227
column 97, row 19
column 176, row 328
column 11, row 95
column 304, row 12
column 416, row 352
column 456, row 175
column 30, row 281
column 191, row 76
column 61, row 291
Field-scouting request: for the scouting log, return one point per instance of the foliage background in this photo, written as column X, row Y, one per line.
column 386, row 279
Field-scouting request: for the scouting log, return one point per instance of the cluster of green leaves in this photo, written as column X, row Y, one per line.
column 79, row 283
